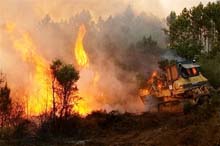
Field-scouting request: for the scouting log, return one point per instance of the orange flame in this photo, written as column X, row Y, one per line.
column 154, row 74
column 39, row 93
column 82, row 60
column 80, row 53
column 82, row 108
column 39, row 96
column 88, row 90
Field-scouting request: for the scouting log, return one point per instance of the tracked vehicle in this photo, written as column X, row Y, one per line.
column 176, row 85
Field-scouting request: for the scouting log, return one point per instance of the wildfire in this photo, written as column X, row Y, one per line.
column 80, row 53
column 154, row 74
column 83, row 61
column 39, row 93
column 88, row 77
column 82, row 108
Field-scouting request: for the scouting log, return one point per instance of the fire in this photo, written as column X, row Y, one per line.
column 82, row 61
column 144, row 92
column 39, row 94
column 159, row 85
column 80, row 53
column 82, row 108
column 89, row 78
column 154, row 74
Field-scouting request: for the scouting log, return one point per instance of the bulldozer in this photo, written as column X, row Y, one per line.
column 175, row 85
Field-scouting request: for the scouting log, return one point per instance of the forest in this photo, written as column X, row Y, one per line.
column 118, row 62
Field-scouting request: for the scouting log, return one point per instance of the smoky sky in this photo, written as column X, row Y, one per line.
column 62, row 9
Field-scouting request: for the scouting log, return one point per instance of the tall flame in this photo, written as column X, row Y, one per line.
column 39, row 94
column 88, row 76
column 80, row 54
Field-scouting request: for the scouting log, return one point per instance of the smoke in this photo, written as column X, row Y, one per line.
column 117, row 49
column 63, row 9
column 171, row 55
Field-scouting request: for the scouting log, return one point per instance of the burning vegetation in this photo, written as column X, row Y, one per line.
column 107, row 77
column 37, row 95
column 81, row 77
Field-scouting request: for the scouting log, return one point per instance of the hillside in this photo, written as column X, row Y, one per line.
column 200, row 126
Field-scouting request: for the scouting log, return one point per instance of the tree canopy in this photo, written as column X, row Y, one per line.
column 64, row 81
column 195, row 31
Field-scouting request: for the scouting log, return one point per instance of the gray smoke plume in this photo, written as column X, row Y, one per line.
column 120, row 48
column 171, row 55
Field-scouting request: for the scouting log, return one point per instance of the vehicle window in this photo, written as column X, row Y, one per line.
column 189, row 72
column 194, row 71
column 184, row 73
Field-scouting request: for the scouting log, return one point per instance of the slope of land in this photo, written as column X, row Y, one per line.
column 199, row 127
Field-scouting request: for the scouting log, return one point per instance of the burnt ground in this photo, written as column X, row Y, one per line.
column 199, row 127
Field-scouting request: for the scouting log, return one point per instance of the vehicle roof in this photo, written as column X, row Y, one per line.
column 191, row 65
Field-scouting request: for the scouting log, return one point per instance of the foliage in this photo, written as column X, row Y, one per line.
column 134, row 60
column 25, row 129
column 5, row 101
column 211, row 69
column 195, row 31
column 10, row 112
column 55, row 66
column 147, row 44
column 5, row 104
column 64, row 81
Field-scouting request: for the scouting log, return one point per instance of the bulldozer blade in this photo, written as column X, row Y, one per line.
column 171, row 106
column 150, row 103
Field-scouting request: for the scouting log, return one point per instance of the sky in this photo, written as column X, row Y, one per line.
column 178, row 5
column 62, row 9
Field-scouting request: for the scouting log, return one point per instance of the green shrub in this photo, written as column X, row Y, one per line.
column 210, row 68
